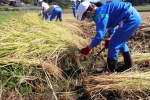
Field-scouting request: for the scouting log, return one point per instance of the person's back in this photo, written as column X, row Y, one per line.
column 45, row 6
column 115, row 11
column 50, row 9
column 54, row 11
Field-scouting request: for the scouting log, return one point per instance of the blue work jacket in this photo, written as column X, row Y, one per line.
column 108, row 16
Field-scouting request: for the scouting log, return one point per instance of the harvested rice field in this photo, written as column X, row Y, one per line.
column 40, row 60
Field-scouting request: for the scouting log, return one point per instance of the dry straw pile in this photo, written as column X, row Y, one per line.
column 28, row 40
column 128, row 85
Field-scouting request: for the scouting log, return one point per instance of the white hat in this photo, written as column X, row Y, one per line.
column 82, row 8
column 79, row 0
column 39, row 1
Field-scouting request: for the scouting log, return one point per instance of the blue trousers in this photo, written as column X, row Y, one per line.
column 74, row 12
column 56, row 12
column 131, row 21
column 47, row 16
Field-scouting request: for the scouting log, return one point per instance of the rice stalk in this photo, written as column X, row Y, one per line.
column 122, row 84
column 1, row 91
column 48, row 79
column 27, row 37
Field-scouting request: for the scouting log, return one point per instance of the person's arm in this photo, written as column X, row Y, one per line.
column 44, row 14
column 43, row 9
column 73, row 6
column 101, row 24
column 111, row 31
column 77, row 6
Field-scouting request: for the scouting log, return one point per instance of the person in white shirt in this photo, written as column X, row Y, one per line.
column 45, row 6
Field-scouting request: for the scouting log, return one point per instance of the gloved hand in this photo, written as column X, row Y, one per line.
column 106, row 42
column 85, row 51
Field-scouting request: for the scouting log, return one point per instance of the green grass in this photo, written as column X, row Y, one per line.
column 143, row 8
column 67, row 10
column 6, row 15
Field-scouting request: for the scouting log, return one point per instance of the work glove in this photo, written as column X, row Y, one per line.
column 85, row 51
column 106, row 42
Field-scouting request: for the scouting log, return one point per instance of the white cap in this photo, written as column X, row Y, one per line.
column 39, row 1
column 79, row 0
column 82, row 8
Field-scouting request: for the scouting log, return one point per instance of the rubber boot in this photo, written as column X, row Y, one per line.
column 111, row 65
column 127, row 62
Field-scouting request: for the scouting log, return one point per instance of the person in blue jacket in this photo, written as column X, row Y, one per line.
column 78, row 3
column 74, row 8
column 110, row 15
